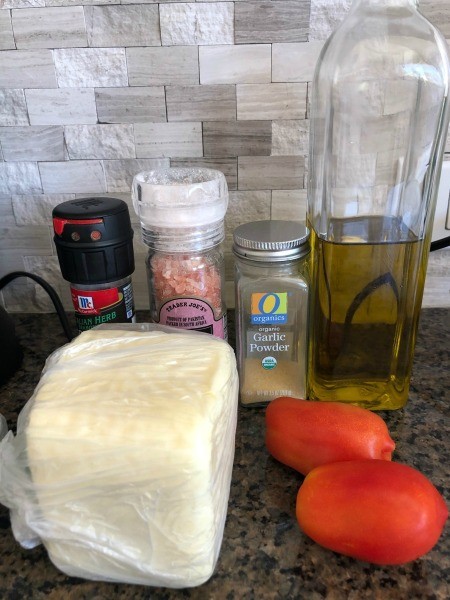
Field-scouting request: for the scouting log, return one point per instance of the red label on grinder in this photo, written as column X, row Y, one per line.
column 94, row 307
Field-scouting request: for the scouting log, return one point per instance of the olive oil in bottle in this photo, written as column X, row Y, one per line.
column 364, row 316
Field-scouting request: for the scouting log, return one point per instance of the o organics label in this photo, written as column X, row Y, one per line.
column 268, row 307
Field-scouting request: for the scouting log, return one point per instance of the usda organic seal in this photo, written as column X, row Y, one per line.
column 269, row 362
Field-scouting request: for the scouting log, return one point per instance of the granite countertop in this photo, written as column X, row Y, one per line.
column 264, row 555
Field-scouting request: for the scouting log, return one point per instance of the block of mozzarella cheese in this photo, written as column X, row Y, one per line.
column 130, row 439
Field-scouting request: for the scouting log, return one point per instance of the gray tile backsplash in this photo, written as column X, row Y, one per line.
column 7, row 41
column 13, row 107
column 100, row 141
column 235, row 64
column 117, row 26
column 49, row 27
column 237, row 138
column 196, row 24
column 73, row 176
column 172, row 65
column 155, row 140
column 20, row 178
column 119, row 173
column 27, row 69
column 32, row 143
column 201, row 102
column 90, row 67
column 94, row 91
column 271, row 101
column 70, row 106
column 271, row 172
column 272, row 22
column 131, row 104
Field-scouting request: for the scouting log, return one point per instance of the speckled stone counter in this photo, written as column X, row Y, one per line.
column 264, row 555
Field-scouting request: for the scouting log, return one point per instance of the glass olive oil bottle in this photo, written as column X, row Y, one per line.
column 365, row 313
column 379, row 117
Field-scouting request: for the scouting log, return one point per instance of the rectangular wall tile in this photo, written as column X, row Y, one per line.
column 197, row 24
column 437, row 290
column 437, row 285
column 177, row 65
column 271, row 101
column 201, row 102
column 438, row 12
column 27, row 69
column 19, row 178
column 48, row 268
column 119, row 173
column 131, row 105
column 24, row 295
column 22, row 3
column 37, row 209
column 271, row 172
column 244, row 207
column 154, row 140
column 237, row 138
column 295, row 62
column 235, row 64
column 147, row 1
column 32, row 143
column 99, row 141
column 116, row 25
column 90, row 67
column 269, row 22
column 72, row 2
column 6, row 212
column 228, row 166
column 289, row 205
column 10, row 260
column 74, row 176
column 325, row 17
column 67, row 106
column 6, row 32
column 13, row 108
column 35, row 238
column 290, row 137
column 49, row 27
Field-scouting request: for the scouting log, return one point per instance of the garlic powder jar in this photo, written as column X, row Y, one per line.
column 272, row 287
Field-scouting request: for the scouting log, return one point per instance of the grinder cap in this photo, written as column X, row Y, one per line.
column 94, row 240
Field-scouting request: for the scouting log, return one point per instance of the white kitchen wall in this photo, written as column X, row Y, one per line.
column 94, row 91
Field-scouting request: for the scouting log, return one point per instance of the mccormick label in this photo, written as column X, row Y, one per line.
column 192, row 313
column 95, row 307
column 269, row 307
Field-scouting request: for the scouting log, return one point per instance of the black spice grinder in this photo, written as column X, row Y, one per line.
column 94, row 243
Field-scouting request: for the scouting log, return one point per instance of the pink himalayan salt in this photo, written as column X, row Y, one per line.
column 182, row 275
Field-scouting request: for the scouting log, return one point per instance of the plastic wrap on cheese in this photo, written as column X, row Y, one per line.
column 122, row 461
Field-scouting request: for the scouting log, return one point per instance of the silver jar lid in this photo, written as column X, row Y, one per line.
column 271, row 240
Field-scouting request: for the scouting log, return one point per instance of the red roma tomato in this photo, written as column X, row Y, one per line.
column 304, row 434
column 374, row 510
